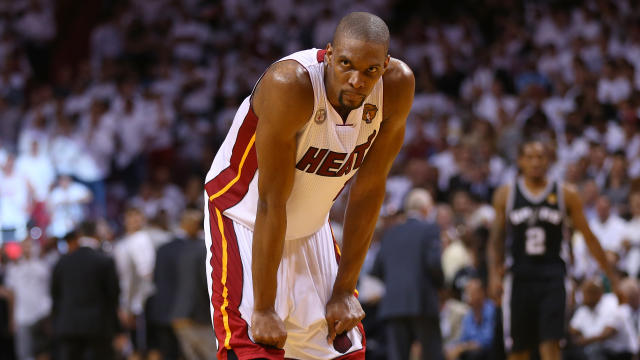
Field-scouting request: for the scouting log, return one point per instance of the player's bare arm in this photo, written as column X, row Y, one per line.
column 280, row 119
column 366, row 197
column 574, row 208
column 496, row 243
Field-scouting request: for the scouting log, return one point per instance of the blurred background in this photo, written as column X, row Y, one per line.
column 111, row 112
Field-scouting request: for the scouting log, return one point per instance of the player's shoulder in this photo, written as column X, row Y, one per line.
column 285, row 84
column 288, row 75
column 501, row 195
column 504, row 189
column 399, row 86
column 398, row 76
column 569, row 191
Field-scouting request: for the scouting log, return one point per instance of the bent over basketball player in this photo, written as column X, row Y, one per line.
column 531, row 214
column 314, row 119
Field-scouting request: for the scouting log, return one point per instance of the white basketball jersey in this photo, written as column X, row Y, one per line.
column 329, row 152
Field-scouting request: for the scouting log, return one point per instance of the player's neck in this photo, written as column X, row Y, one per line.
column 344, row 113
column 333, row 100
column 535, row 185
column 341, row 110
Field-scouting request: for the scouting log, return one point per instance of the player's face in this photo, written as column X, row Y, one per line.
column 534, row 161
column 353, row 68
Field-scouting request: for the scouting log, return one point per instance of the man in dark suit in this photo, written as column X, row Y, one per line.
column 84, row 290
column 167, row 281
column 409, row 265
column 191, row 316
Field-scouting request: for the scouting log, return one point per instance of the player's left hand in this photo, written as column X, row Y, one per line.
column 615, row 288
column 343, row 313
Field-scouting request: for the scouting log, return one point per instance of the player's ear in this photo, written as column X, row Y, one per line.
column 329, row 53
column 386, row 64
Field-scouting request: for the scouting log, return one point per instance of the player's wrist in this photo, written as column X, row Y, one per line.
column 341, row 294
column 264, row 308
column 344, row 287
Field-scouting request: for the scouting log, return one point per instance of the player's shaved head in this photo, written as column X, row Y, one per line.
column 356, row 59
column 362, row 26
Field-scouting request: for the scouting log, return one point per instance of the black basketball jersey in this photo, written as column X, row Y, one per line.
column 535, row 232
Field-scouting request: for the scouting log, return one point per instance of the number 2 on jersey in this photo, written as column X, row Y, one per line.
column 535, row 241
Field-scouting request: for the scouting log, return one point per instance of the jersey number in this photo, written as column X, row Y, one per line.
column 535, row 243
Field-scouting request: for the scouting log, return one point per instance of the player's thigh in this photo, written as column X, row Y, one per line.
column 229, row 246
column 311, row 265
column 552, row 311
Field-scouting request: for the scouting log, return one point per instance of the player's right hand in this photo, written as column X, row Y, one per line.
column 268, row 329
column 495, row 288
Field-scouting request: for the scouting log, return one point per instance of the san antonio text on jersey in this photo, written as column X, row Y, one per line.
column 535, row 231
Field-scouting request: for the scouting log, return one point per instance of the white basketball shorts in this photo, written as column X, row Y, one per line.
column 305, row 281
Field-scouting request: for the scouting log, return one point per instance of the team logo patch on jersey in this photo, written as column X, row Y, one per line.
column 369, row 112
column 552, row 199
column 321, row 116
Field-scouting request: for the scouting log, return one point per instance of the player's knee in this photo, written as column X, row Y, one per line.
column 550, row 350
column 520, row 355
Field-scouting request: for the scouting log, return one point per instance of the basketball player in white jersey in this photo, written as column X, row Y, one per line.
column 314, row 119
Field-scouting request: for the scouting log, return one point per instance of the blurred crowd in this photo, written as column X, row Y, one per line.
column 111, row 112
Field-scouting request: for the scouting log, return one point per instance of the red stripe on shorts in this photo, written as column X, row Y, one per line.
column 226, row 190
column 239, row 340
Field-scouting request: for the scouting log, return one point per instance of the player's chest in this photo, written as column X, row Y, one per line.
column 331, row 147
column 530, row 214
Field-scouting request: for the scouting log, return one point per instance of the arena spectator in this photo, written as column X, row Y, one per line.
column 37, row 167
column 409, row 265
column 631, row 240
column 16, row 194
column 96, row 138
column 190, row 315
column 618, row 183
column 38, row 28
column 7, row 325
column 11, row 115
column 35, row 130
column 630, row 289
column 609, row 228
column 601, row 327
column 455, row 255
column 66, row 204
column 134, row 256
column 84, row 289
column 590, row 195
column 166, row 281
column 478, row 325
column 64, row 147
column 28, row 279
column 452, row 313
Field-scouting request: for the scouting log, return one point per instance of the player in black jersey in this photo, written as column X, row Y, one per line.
column 530, row 216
